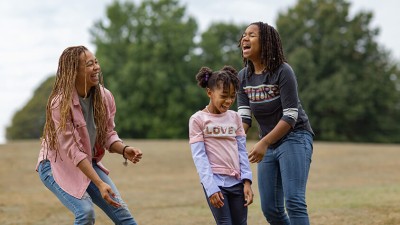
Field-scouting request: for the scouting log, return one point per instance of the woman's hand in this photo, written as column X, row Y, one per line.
column 108, row 194
column 133, row 154
column 105, row 190
column 258, row 151
column 217, row 199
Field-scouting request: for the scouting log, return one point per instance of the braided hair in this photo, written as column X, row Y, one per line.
column 206, row 78
column 62, row 93
column 271, row 49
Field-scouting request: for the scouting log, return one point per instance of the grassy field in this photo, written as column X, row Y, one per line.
column 352, row 184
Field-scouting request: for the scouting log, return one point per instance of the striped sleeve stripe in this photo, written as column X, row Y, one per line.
column 244, row 112
column 291, row 113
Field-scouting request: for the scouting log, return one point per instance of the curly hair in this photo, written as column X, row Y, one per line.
column 206, row 78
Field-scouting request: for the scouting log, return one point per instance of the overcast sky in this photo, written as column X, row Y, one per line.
column 35, row 32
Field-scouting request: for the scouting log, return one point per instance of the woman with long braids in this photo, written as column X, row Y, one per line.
column 79, row 128
column 268, row 91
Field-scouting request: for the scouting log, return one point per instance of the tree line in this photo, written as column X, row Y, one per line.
column 149, row 53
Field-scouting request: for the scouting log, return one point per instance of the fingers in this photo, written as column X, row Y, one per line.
column 255, row 157
column 134, row 155
column 137, row 152
column 111, row 201
column 135, row 159
column 255, row 160
column 249, row 199
column 221, row 197
column 251, row 157
column 108, row 197
column 217, row 200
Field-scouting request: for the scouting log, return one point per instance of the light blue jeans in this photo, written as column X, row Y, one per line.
column 83, row 208
column 282, row 179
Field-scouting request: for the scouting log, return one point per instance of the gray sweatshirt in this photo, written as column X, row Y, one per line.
column 271, row 97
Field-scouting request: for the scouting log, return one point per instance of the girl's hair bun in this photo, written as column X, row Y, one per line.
column 203, row 76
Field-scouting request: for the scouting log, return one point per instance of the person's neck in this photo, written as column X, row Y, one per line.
column 82, row 93
column 259, row 68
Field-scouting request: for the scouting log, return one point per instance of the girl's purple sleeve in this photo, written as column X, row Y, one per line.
column 203, row 168
column 245, row 170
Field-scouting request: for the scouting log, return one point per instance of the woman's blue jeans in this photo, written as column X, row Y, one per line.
column 282, row 179
column 83, row 208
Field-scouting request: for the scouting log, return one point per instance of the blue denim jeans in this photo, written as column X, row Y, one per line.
column 282, row 179
column 83, row 208
column 233, row 212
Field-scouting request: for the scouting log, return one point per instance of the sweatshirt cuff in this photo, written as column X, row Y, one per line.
column 247, row 176
column 211, row 190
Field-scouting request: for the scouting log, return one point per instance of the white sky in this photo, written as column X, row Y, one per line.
column 35, row 32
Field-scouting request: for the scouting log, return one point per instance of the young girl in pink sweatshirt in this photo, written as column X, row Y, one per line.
column 218, row 143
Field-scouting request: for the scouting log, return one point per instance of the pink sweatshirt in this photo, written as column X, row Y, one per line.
column 218, row 132
column 74, row 146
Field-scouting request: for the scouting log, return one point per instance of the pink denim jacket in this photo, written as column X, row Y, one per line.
column 74, row 146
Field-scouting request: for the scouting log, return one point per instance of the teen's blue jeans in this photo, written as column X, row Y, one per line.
column 83, row 208
column 282, row 179
column 233, row 212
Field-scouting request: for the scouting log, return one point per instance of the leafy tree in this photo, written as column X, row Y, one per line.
column 346, row 80
column 145, row 52
column 219, row 46
column 28, row 122
column 149, row 60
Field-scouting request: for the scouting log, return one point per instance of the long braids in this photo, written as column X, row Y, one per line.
column 100, row 114
column 271, row 49
column 62, row 93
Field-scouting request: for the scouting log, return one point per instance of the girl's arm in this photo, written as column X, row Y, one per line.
column 200, row 159
column 259, row 149
column 204, row 168
column 245, row 170
column 246, row 127
column 243, row 103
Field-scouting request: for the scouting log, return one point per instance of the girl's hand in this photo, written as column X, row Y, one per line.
column 133, row 154
column 258, row 152
column 248, row 193
column 217, row 199
column 108, row 194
